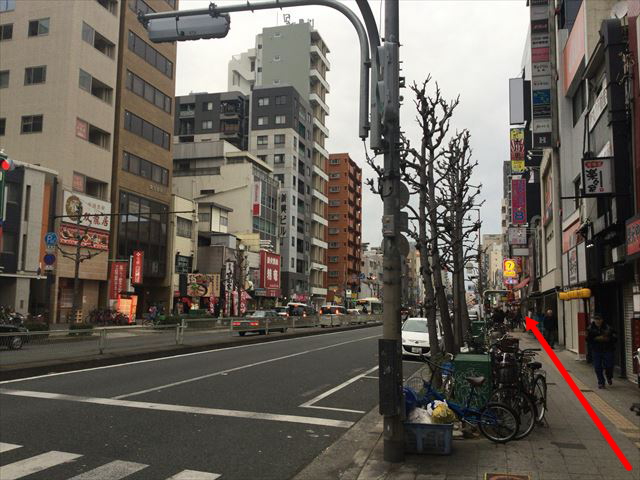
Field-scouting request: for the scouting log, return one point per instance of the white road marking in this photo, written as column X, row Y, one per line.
column 371, row 377
column 111, row 471
column 180, row 355
column 310, row 403
column 326, row 422
column 194, row 475
column 242, row 367
column 6, row 447
column 35, row 464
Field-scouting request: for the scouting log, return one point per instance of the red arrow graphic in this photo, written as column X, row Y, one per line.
column 532, row 325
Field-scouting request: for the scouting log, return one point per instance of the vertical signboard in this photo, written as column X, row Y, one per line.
column 541, row 78
column 257, row 194
column 517, row 150
column 118, row 280
column 270, row 273
column 137, row 267
column 228, row 286
column 284, row 219
column 518, row 201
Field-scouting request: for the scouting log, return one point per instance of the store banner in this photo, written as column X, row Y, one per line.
column 90, row 210
column 89, row 238
column 509, row 268
column 137, row 267
column 517, row 150
column 517, row 236
column 518, row 201
column 118, row 280
column 633, row 237
column 597, row 176
column 269, row 270
column 257, row 196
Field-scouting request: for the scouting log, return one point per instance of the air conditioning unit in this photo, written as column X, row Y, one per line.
column 617, row 254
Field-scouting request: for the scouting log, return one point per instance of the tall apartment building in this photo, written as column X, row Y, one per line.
column 58, row 74
column 142, row 157
column 205, row 117
column 345, row 225
column 295, row 55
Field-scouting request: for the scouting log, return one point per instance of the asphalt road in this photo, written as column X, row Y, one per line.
column 253, row 411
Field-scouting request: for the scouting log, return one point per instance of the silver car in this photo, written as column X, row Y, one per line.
column 415, row 337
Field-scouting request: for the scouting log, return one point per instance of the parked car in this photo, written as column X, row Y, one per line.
column 415, row 337
column 282, row 311
column 13, row 342
column 262, row 322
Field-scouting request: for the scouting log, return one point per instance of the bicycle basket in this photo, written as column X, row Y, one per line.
column 507, row 373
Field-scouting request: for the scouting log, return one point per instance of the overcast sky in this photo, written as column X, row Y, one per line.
column 470, row 47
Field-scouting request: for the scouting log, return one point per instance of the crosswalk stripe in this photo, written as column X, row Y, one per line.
column 5, row 447
column 194, row 475
column 35, row 464
column 111, row 471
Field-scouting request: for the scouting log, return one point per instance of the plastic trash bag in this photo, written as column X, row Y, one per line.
column 419, row 415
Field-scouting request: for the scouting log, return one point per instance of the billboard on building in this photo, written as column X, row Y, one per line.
column 517, row 236
column 270, row 273
column 518, row 201
column 516, row 143
column 90, row 210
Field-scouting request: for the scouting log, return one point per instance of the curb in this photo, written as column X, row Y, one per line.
column 97, row 360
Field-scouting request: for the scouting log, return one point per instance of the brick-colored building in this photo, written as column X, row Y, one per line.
column 345, row 226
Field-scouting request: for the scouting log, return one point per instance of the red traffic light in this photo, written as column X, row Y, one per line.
column 7, row 165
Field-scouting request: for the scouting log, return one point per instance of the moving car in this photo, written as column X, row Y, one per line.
column 14, row 342
column 415, row 337
column 333, row 310
column 260, row 321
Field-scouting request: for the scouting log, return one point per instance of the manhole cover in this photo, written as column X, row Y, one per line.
column 505, row 476
column 571, row 446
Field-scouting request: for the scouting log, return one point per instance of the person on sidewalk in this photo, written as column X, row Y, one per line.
column 602, row 340
column 550, row 322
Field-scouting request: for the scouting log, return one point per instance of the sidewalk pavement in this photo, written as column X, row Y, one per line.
column 568, row 447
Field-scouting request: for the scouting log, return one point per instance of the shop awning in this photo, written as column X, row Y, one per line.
column 522, row 284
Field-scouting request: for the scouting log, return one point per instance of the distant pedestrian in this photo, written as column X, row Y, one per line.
column 518, row 321
column 602, row 342
column 153, row 313
column 550, row 322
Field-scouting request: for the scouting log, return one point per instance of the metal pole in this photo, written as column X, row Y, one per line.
column 480, row 251
column 76, row 274
column 390, row 355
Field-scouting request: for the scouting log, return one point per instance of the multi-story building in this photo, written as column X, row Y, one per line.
column 142, row 159
column 205, row 117
column 59, row 113
column 372, row 284
column 492, row 257
column 345, row 225
column 296, row 55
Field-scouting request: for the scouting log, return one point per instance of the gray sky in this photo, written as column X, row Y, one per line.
column 470, row 47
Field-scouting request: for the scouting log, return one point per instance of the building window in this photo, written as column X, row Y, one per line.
column 147, row 91
column 279, row 139
column 207, row 106
column 276, row 58
column 35, row 75
column 334, row 231
column 140, row 6
column 334, row 189
column 334, row 216
column 31, row 124
column 263, row 101
column 183, row 264
column 109, row 5
column 334, row 273
column 263, row 121
column 278, row 176
column 207, row 124
column 278, row 158
column 334, row 244
column 334, row 259
column 263, row 141
column 150, row 55
column 39, row 27
column 184, row 227
column 579, row 103
column 334, row 175
column 95, row 87
column 99, row 137
column 7, row 5
column 4, row 79
column 6, row 31
column 281, row 119
column 3, row 124
column 147, row 130
column 334, row 203
column 224, row 219
column 98, row 41
column 144, row 168
column 281, row 100
column 334, row 161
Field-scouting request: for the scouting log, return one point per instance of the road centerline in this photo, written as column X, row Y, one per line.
column 163, row 407
column 235, row 369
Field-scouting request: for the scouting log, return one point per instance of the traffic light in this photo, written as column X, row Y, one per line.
column 194, row 27
column 6, row 164
column 385, row 107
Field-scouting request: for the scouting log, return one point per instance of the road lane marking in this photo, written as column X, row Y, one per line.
column 31, row 465
column 235, row 369
column 310, row 403
column 7, row 447
column 194, row 475
column 180, row 355
column 163, row 407
column 111, row 471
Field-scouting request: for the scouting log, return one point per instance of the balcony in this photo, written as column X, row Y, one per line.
column 320, row 149
column 317, row 218
column 319, row 243
column 318, row 171
column 319, row 291
column 320, row 126
column 315, row 75
column 318, row 266
column 316, row 52
column 315, row 98
column 319, row 196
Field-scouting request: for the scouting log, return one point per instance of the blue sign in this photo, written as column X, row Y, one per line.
column 541, row 97
column 51, row 239
column 49, row 259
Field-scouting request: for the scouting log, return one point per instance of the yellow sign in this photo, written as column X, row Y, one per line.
column 509, row 267
column 517, row 166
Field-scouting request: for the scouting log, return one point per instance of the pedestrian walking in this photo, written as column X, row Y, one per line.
column 550, row 322
column 602, row 341
column 518, row 321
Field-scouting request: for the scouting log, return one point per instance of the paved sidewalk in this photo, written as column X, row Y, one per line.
column 569, row 447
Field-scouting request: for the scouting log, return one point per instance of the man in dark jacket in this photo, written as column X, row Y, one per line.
column 602, row 340
column 550, row 322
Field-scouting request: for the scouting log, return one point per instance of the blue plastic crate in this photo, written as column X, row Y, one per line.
column 428, row 438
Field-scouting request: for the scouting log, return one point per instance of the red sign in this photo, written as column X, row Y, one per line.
column 518, row 201
column 633, row 236
column 118, row 279
column 82, row 129
column 269, row 270
column 257, row 195
column 137, row 267
column 91, row 238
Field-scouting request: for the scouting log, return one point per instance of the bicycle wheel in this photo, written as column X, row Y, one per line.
column 540, row 396
column 522, row 404
column 498, row 422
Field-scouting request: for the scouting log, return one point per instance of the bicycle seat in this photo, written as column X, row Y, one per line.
column 534, row 365
column 475, row 381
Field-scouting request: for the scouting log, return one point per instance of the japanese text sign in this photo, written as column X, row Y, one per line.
column 597, row 175
column 269, row 270
column 518, row 201
column 89, row 209
column 118, row 280
column 137, row 267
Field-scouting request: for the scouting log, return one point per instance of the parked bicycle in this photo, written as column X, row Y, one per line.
column 497, row 422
